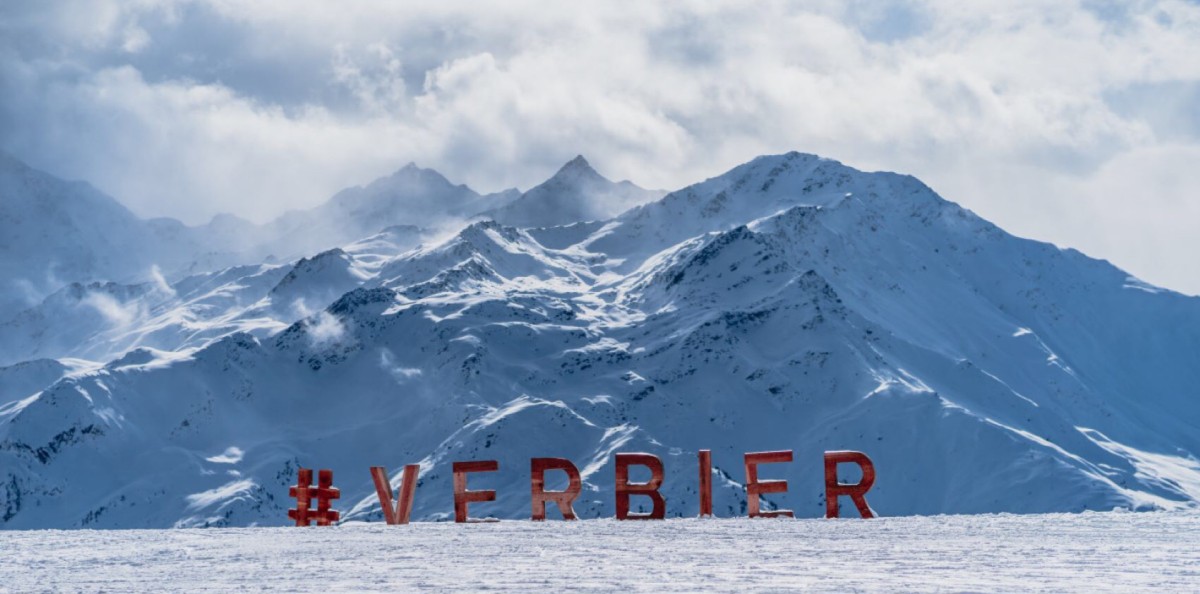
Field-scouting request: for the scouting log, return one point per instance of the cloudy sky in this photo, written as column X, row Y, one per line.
column 1072, row 122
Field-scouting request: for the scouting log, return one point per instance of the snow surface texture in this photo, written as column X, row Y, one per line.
column 790, row 303
column 1090, row 552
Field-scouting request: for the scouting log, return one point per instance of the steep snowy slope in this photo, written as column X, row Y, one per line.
column 53, row 232
column 59, row 325
column 762, row 187
column 57, row 234
column 792, row 302
column 575, row 193
column 23, row 380
column 102, row 321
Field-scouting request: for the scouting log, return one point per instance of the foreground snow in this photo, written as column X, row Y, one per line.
column 1056, row 552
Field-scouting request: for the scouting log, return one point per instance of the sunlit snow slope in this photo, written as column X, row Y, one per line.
column 791, row 303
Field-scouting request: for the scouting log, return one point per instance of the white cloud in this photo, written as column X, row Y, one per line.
column 135, row 39
column 387, row 362
column 160, row 282
column 1041, row 115
column 324, row 328
column 117, row 314
column 231, row 455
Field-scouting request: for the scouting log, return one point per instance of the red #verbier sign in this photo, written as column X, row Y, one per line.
column 399, row 512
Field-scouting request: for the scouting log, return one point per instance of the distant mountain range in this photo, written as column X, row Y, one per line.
column 54, row 233
column 790, row 303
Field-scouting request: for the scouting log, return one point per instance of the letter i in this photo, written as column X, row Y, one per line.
column 705, row 483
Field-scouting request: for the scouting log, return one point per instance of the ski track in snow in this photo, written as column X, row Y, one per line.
column 1088, row 552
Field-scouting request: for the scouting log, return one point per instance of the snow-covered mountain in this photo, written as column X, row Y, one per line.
column 790, row 303
column 53, row 232
column 102, row 321
column 576, row 193
column 410, row 199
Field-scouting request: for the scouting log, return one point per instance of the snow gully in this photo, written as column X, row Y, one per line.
column 399, row 511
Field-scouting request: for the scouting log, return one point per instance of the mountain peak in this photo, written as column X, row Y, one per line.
column 577, row 167
column 575, row 193
column 407, row 179
column 412, row 170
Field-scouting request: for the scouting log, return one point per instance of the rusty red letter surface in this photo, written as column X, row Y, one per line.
column 400, row 513
column 705, row 482
column 462, row 496
column 304, row 493
column 624, row 489
column 540, row 496
column 754, row 487
column 857, row 492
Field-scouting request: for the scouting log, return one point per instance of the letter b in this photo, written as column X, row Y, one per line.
column 624, row 489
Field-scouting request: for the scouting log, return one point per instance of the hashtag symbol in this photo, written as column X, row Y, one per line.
column 304, row 494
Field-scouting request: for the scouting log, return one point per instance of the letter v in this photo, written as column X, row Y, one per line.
column 403, row 507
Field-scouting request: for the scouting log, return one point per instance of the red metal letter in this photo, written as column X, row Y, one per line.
column 857, row 492
column 461, row 495
column 537, row 487
column 403, row 508
column 301, row 495
column 304, row 493
column 754, row 487
column 624, row 488
column 705, row 482
column 324, row 494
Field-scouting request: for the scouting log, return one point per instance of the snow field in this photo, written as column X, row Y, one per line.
column 1088, row 552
